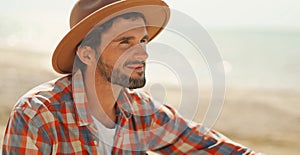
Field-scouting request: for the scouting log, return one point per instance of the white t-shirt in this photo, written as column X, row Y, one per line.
column 106, row 137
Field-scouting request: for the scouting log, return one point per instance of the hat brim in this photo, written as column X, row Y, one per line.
column 156, row 12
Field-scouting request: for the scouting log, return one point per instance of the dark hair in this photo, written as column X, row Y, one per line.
column 93, row 39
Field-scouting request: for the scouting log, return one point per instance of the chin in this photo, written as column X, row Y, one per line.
column 135, row 87
column 136, row 83
column 131, row 82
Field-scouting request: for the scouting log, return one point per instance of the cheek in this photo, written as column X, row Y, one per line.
column 112, row 61
column 115, row 57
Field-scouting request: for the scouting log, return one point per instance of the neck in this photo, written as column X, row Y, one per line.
column 107, row 93
column 102, row 97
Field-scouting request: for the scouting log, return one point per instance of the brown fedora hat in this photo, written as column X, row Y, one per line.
column 88, row 13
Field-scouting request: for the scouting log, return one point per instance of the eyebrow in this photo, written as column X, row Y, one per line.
column 130, row 38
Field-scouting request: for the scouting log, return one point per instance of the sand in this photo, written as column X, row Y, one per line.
column 264, row 120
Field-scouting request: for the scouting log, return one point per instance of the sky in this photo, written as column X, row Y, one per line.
column 281, row 14
column 45, row 21
column 215, row 13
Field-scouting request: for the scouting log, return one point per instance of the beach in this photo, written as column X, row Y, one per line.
column 265, row 120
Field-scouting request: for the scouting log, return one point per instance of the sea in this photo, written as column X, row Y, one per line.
column 252, row 58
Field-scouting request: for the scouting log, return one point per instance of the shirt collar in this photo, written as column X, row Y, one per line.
column 124, row 103
column 135, row 102
column 80, row 99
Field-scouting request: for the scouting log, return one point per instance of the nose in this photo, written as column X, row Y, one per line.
column 140, row 52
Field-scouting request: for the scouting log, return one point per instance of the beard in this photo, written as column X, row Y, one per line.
column 114, row 75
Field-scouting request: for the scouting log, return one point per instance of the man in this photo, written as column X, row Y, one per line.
column 94, row 109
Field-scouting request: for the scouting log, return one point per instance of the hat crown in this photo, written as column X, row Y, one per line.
column 84, row 8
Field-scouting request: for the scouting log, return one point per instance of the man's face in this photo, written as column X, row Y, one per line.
column 123, row 53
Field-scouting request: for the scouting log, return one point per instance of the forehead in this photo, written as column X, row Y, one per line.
column 121, row 26
column 127, row 24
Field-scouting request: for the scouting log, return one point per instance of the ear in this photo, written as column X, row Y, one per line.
column 86, row 54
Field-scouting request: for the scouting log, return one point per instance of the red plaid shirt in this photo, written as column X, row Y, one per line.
column 54, row 119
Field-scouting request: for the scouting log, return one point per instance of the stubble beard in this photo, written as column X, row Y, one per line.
column 115, row 76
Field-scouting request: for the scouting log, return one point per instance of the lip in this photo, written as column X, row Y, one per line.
column 137, row 67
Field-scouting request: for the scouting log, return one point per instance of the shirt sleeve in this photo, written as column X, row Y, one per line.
column 23, row 136
column 171, row 134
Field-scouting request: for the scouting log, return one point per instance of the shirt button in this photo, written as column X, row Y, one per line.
column 95, row 142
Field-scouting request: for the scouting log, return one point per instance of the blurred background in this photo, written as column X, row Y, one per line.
column 258, row 41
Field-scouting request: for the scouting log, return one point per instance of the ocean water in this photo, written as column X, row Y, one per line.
column 252, row 59
column 262, row 59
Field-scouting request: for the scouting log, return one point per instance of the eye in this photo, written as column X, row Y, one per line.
column 125, row 41
column 144, row 41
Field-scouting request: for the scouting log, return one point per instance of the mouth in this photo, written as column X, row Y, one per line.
column 135, row 66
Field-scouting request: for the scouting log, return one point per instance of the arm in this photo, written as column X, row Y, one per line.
column 172, row 134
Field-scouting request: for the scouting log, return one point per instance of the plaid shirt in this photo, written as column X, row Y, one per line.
column 54, row 119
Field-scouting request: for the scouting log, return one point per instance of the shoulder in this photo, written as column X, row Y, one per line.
column 41, row 101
